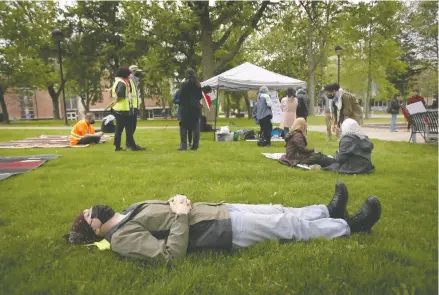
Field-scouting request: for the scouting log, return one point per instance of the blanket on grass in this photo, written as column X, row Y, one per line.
column 45, row 141
column 10, row 166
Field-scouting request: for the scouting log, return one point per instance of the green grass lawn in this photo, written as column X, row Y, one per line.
column 232, row 122
column 37, row 208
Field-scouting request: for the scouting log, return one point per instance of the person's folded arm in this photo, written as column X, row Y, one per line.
column 133, row 240
column 121, row 91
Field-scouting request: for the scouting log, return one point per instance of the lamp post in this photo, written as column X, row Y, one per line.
column 57, row 36
column 338, row 51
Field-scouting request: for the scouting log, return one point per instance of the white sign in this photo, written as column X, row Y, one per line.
column 275, row 107
column 417, row 107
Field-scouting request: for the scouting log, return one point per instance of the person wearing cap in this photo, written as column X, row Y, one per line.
column 167, row 230
column 135, row 96
column 344, row 105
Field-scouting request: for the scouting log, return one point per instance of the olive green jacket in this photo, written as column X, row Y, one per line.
column 151, row 230
column 351, row 108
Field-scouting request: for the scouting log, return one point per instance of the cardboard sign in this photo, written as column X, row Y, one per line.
column 417, row 107
column 275, row 107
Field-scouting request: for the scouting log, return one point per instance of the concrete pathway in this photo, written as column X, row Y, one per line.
column 376, row 133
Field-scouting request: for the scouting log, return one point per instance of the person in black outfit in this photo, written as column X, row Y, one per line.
column 302, row 104
column 190, row 96
column 123, row 115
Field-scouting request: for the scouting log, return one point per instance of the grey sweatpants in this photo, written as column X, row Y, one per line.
column 257, row 223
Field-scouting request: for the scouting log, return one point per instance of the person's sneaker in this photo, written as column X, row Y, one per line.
column 181, row 149
column 315, row 167
column 337, row 206
column 366, row 217
column 119, row 150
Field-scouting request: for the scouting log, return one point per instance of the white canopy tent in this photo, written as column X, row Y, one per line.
column 250, row 77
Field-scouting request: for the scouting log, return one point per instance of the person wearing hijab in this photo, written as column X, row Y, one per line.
column 263, row 114
column 355, row 151
column 297, row 151
column 190, row 95
column 288, row 105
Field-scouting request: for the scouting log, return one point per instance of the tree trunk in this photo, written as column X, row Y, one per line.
column 3, row 105
column 143, row 112
column 309, row 34
column 55, row 102
column 369, row 76
column 227, row 106
column 247, row 103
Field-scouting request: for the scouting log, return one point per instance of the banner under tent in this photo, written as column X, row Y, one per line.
column 249, row 77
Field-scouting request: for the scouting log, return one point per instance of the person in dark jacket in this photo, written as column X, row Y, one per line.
column 297, row 152
column 393, row 109
column 262, row 114
column 302, row 104
column 354, row 155
column 167, row 230
column 190, row 96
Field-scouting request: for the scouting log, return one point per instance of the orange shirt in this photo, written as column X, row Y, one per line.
column 79, row 131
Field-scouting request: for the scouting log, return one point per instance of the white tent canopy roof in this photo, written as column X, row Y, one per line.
column 250, row 77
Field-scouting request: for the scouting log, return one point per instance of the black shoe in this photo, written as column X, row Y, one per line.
column 118, row 149
column 337, row 207
column 138, row 148
column 366, row 217
column 181, row 149
column 193, row 149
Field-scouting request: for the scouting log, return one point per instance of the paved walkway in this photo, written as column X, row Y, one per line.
column 376, row 133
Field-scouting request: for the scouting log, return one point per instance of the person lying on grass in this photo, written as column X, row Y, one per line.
column 170, row 229
column 354, row 155
column 297, row 152
column 84, row 133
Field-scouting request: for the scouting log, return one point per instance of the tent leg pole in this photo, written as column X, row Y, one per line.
column 216, row 111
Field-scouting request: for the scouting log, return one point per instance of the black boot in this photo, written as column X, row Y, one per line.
column 366, row 217
column 337, row 207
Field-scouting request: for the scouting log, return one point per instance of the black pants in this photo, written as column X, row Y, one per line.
column 133, row 124
column 124, row 122
column 266, row 128
column 89, row 139
column 319, row 159
column 188, row 133
column 195, row 131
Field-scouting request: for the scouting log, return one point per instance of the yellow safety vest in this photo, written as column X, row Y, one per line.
column 121, row 104
column 134, row 95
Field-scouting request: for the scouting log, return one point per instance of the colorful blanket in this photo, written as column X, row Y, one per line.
column 45, row 141
column 10, row 166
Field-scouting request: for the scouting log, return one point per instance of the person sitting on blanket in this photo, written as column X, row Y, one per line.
column 84, row 133
column 355, row 150
column 169, row 229
column 297, row 152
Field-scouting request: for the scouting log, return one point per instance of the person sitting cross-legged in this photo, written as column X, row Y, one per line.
column 297, row 151
column 169, row 229
column 354, row 154
column 84, row 133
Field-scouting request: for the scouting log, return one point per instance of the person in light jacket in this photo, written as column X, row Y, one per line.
column 288, row 105
column 354, row 155
column 168, row 230
column 263, row 114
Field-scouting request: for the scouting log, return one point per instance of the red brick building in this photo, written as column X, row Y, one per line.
column 37, row 104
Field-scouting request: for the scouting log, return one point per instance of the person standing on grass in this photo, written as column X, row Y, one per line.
column 344, row 105
column 135, row 97
column 190, row 96
column 302, row 104
column 393, row 109
column 263, row 114
column 84, row 133
column 122, row 109
column 176, row 101
column 414, row 99
column 288, row 106
column 327, row 111
column 167, row 230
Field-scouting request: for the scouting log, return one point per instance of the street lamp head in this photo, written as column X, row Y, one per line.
column 338, row 49
column 57, row 35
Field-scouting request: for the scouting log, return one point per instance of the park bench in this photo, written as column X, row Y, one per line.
column 426, row 124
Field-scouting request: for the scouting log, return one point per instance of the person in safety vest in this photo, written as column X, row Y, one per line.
column 135, row 96
column 84, row 133
column 122, row 108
